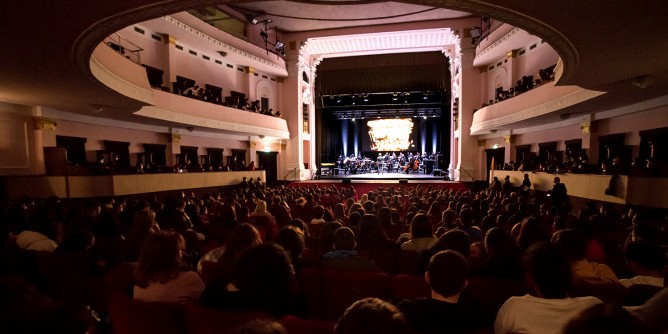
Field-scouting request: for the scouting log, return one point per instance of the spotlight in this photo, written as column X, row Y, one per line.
column 476, row 32
column 252, row 20
column 279, row 45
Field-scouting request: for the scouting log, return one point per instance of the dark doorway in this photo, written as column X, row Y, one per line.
column 75, row 148
column 268, row 162
column 498, row 155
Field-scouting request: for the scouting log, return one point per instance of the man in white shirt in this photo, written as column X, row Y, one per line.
column 548, row 272
column 646, row 260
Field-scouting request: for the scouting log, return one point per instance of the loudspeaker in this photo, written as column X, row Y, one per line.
column 403, row 181
column 346, row 181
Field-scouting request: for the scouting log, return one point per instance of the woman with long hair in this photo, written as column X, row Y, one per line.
column 263, row 221
column 160, row 276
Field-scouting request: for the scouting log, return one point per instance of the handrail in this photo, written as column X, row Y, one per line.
column 292, row 171
column 490, row 29
column 465, row 172
column 122, row 46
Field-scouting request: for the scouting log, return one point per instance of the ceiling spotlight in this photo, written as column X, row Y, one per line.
column 279, row 45
column 264, row 35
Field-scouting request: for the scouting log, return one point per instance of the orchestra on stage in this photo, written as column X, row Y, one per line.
column 391, row 162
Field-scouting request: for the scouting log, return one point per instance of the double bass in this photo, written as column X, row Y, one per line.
column 413, row 164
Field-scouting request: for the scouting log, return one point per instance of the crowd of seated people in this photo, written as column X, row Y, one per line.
column 523, row 85
column 212, row 94
column 580, row 165
column 492, row 260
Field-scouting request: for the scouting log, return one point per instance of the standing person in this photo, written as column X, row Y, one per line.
column 558, row 193
column 525, row 187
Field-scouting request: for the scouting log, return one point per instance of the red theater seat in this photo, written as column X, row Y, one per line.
column 295, row 325
column 409, row 287
column 201, row 320
column 341, row 289
column 135, row 316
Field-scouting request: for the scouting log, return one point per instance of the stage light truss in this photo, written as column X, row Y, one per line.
column 385, row 105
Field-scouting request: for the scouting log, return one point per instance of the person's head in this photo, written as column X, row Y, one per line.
column 264, row 273
column 370, row 231
column 292, row 240
column 548, row 270
column 160, row 259
column 446, row 273
column 243, row 237
column 421, row 227
column 372, row 316
column 557, row 180
column 327, row 235
column 500, row 244
column 605, row 319
column 572, row 242
column 455, row 240
column 466, row 217
column 260, row 326
column 344, row 239
column 448, row 218
column 644, row 256
column 318, row 212
column 260, row 207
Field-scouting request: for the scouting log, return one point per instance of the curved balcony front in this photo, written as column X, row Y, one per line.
column 536, row 107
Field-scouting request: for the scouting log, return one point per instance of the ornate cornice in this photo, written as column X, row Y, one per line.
column 498, row 42
column 220, row 44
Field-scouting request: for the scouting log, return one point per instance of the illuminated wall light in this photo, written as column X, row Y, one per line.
column 267, row 148
column 495, row 146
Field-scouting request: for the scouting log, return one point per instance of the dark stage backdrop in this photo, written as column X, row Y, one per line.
column 345, row 137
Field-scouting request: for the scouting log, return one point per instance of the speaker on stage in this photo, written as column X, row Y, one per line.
column 428, row 166
column 346, row 181
column 403, row 180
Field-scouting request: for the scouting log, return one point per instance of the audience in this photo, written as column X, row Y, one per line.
column 372, row 316
column 443, row 312
column 160, row 276
column 550, row 308
column 256, row 275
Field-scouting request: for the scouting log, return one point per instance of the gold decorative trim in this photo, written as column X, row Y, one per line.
column 46, row 124
column 175, row 138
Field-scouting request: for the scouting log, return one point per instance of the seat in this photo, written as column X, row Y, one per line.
column 406, row 262
column 295, row 325
column 409, row 287
column 310, row 283
column 135, row 316
column 609, row 293
column 384, row 257
column 210, row 271
column 201, row 320
column 341, row 289
column 487, row 294
column 638, row 294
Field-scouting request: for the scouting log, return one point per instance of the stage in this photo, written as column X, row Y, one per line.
column 389, row 176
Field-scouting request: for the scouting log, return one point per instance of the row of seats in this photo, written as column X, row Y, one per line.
column 133, row 316
column 328, row 293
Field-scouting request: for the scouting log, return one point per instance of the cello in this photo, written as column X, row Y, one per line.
column 416, row 164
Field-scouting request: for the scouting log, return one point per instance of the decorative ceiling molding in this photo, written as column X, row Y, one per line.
column 557, row 40
column 220, row 44
column 496, row 43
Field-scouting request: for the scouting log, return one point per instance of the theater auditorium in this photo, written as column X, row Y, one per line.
column 431, row 166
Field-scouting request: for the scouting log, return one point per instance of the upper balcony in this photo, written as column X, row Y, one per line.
column 538, row 106
column 130, row 79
